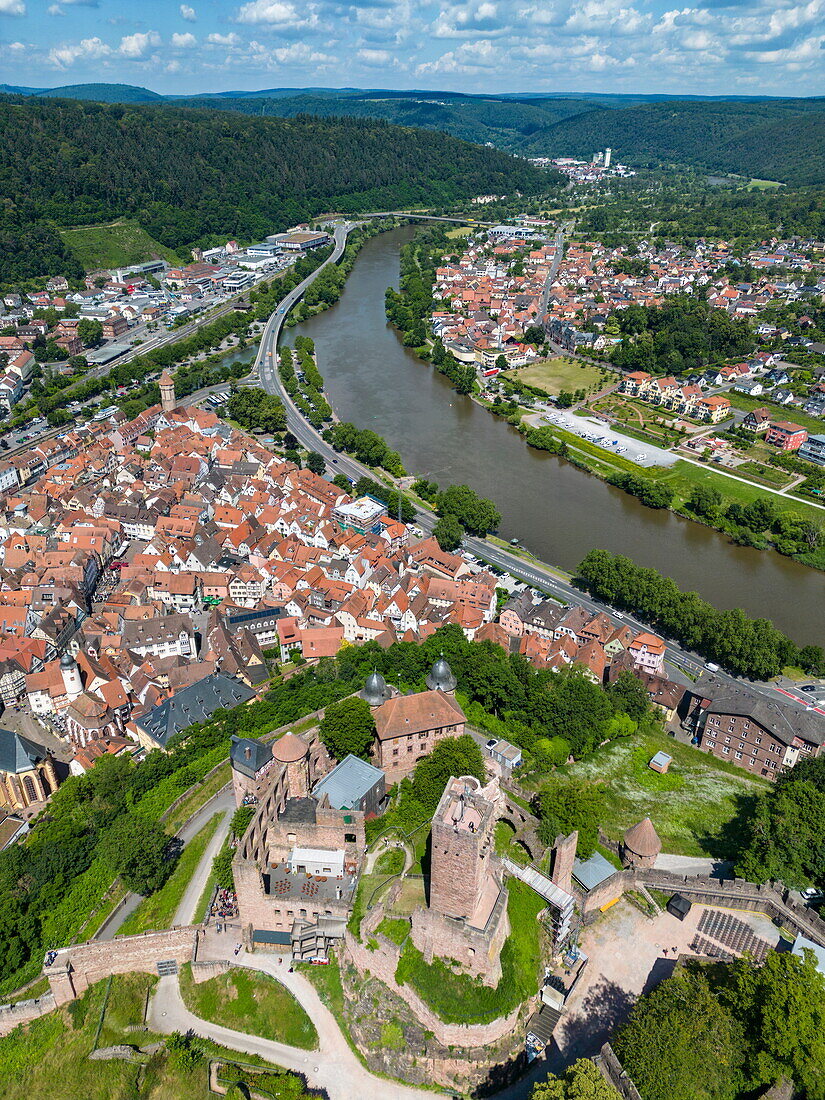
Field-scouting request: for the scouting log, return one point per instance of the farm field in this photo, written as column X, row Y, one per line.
column 693, row 807
column 115, row 245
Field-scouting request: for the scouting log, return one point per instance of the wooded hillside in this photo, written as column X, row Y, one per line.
column 187, row 176
column 782, row 140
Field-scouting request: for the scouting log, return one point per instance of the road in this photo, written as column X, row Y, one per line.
column 222, row 802
column 334, row 1067
column 550, row 581
column 552, row 273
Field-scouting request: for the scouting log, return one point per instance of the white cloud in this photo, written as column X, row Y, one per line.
column 301, row 53
column 275, row 13
column 230, row 39
column 378, row 58
column 137, row 45
column 185, row 41
column 87, row 49
column 12, row 7
column 188, row 13
column 55, row 9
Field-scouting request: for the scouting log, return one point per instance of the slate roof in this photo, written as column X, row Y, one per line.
column 783, row 720
column 18, row 754
column 348, row 782
column 248, row 756
column 591, row 872
column 196, row 703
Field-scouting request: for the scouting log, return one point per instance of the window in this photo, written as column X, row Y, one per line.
column 738, row 755
column 726, row 751
column 349, row 838
column 741, row 744
column 711, row 744
column 759, row 740
column 409, row 748
column 727, row 740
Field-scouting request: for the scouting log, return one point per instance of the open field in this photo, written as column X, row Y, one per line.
column 460, row 231
column 118, row 244
column 683, row 476
column 50, row 1056
column 247, row 1000
column 693, row 806
column 557, row 374
column 158, row 910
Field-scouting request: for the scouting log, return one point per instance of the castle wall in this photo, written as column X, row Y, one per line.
column 478, row 951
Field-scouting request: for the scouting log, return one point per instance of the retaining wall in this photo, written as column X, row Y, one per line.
column 78, row 967
column 382, row 964
column 613, row 1072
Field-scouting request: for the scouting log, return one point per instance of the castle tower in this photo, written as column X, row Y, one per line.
column 167, row 392
column 294, row 752
column 460, row 849
column 375, row 690
column 70, row 672
column 564, row 852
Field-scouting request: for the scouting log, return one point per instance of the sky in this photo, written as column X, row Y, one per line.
column 746, row 47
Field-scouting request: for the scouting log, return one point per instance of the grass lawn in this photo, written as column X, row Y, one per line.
column 115, row 245
column 394, row 928
column 252, row 1002
column 49, row 1056
column 198, row 798
column 559, row 373
column 457, row 998
column 158, row 910
column 693, row 806
column 507, row 846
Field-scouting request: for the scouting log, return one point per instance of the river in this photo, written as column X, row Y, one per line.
column 558, row 511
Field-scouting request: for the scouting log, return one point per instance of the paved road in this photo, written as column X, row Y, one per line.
column 333, row 1067
column 552, row 582
column 187, row 910
column 222, row 802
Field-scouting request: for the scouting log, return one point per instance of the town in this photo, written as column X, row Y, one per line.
column 411, row 542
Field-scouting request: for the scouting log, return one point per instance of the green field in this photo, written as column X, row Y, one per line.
column 683, row 476
column 50, row 1057
column 247, row 1000
column 693, row 806
column 557, row 374
column 115, row 245
column 158, row 910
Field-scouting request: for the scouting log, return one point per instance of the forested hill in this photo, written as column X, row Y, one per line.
column 187, row 176
column 781, row 140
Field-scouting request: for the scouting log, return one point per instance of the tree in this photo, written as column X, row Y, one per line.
column 453, row 756
column 477, row 514
column 786, row 833
column 582, row 1081
column 448, row 532
column 680, row 1042
column 316, row 463
column 90, row 332
column 343, row 483
column 628, row 693
column 348, row 727
column 705, row 501
column 577, row 710
column 564, row 805
column 140, row 852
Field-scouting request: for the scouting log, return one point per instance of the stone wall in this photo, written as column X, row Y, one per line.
column 382, row 963
column 78, row 967
column 477, row 950
column 23, row 1011
column 203, row 971
column 772, row 899
column 613, row 1072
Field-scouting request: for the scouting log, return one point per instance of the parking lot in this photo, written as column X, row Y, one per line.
column 595, row 431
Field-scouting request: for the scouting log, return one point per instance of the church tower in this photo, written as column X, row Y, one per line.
column 167, row 392
column 71, row 676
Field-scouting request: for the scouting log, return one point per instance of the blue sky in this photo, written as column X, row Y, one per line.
column 752, row 47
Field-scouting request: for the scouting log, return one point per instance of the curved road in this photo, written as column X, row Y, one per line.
column 552, row 582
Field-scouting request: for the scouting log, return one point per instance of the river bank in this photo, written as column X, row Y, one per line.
column 748, row 512
column 558, row 512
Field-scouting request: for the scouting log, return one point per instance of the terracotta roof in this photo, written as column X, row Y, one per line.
column 289, row 749
column 642, row 839
column 428, row 710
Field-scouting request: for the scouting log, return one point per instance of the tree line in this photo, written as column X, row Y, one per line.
column 213, row 174
column 744, row 646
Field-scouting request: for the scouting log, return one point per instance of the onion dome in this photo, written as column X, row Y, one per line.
column 375, row 690
column 441, row 677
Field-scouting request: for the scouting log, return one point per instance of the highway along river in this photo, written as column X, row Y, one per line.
column 558, row 511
